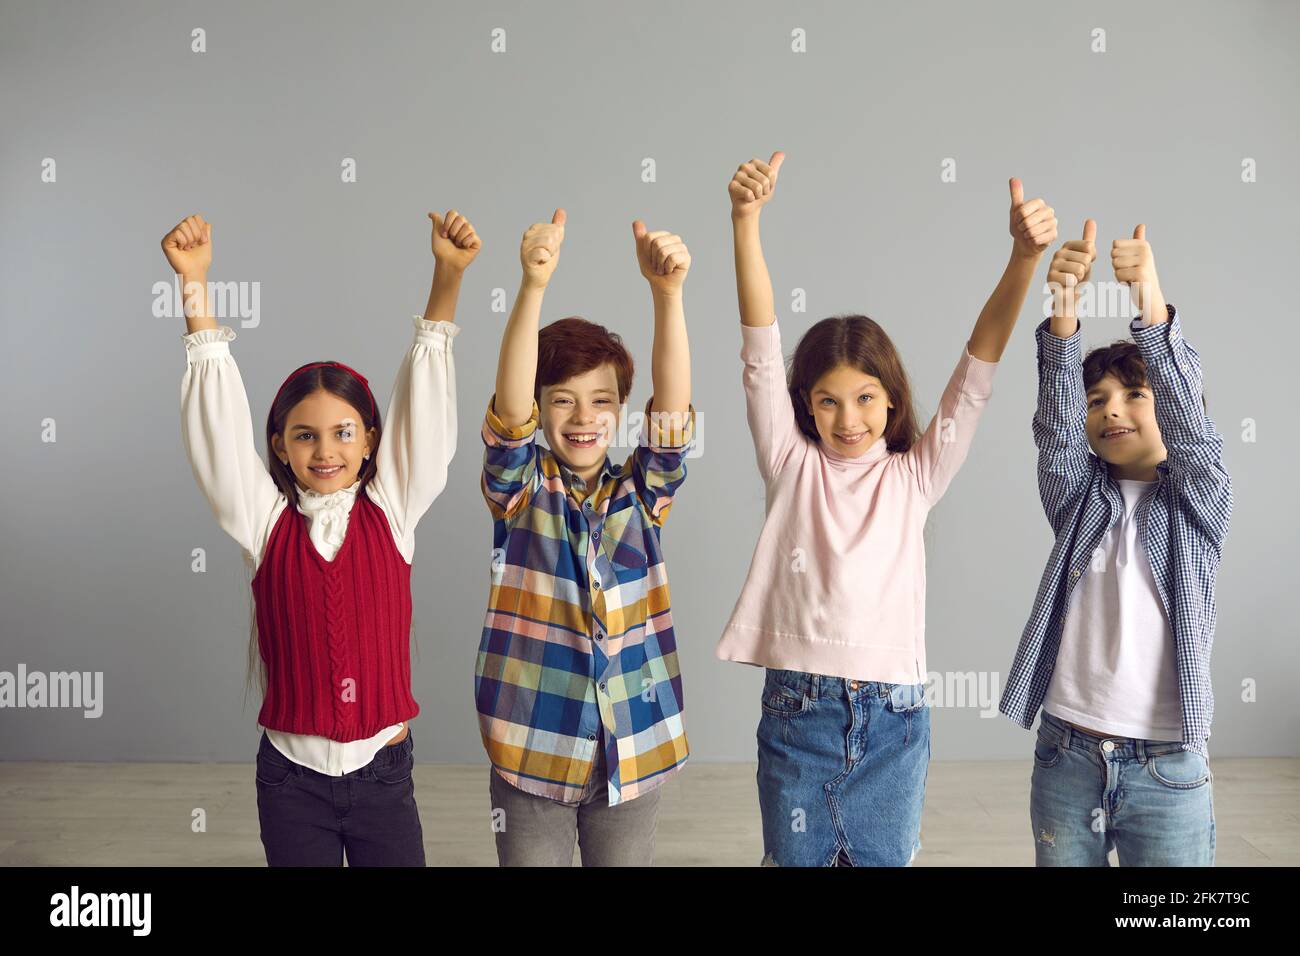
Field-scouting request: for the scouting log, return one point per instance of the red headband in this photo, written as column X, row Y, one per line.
column 351, row 371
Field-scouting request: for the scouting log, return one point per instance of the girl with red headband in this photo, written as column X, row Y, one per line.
column 332, row 575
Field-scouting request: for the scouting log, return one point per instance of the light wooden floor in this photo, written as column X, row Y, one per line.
column 976, row 813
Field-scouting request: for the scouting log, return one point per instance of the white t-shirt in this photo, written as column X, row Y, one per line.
column 1115, row 670
column 410, row 471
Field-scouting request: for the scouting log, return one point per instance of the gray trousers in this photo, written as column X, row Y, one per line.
column 535, row 831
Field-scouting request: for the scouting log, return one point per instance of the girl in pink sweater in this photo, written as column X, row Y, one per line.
column 834, row 603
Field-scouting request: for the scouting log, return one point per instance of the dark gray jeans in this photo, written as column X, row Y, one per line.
column 536, row 831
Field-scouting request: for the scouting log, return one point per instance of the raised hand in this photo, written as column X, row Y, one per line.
column 1133, row 263
column 539, row 251
column 454, row 241
column 188, row 247
column 753, row 185
column 663, row 258
column 1070, row 268
column 1033, row 223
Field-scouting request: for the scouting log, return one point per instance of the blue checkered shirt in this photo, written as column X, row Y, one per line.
column 1182, row 523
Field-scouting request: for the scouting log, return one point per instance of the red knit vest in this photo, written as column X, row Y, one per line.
column 335, row 635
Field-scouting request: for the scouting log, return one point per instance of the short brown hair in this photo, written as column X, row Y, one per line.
column 1121, row 359
column 572, row 346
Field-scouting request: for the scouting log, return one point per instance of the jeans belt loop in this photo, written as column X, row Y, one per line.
column 1141, row 746
column 1065, row 735
column 814, row 682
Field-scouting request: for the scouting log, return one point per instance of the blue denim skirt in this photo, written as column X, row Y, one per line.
column 842, row 767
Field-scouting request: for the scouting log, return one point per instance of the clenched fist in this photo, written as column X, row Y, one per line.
column 455, row 243
column 188, row 247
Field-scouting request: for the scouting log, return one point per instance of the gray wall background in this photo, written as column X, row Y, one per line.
column 98, row 527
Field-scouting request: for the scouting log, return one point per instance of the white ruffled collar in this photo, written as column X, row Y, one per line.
column 311, row 502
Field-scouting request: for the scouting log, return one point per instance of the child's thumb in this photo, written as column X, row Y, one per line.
column 1017, row 192
column 777, row 159
column 1140, row 231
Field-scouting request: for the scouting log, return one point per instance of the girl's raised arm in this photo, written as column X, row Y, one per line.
column 750, row 189
column 1033, row 229
column 420, row 429
column 216, row 425
column 539, row 253
column 941, row 450
column 767, row 397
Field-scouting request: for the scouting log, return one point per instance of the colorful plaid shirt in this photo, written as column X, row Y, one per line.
column 1182, row 523
column 578, row 648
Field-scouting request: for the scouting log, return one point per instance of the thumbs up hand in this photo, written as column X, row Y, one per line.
column 539, row 250
column 1133, row 263
column 662, row 256
column 1070, row 268
column 1033, row 223
column 753, row 184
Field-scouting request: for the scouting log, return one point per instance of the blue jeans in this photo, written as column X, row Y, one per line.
column 312, row 819
column 842, row 766
column 1151, row 800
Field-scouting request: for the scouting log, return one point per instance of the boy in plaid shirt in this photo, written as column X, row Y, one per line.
column 577, row 684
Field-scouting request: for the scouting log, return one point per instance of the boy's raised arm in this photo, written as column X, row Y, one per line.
column 664, row 261
column 1194, row 446
column 1065, row 460
column 539, row 253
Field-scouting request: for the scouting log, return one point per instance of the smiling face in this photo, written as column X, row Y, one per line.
column 1122, row 428
column 850, row 409
column 323, row 442
column 580, row 418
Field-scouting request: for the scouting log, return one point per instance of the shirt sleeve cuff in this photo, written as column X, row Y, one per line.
column 667, row 431
column 207, row 343
column 760, row 343
column 978, row 380
column 1157, row 338
column 437, row 334
column 506, row 435
column 1058, row 351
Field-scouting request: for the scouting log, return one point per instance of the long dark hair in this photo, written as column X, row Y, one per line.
column 299, row 385
column 860, row 343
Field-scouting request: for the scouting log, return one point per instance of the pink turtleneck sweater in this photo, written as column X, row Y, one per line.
column 837, row 582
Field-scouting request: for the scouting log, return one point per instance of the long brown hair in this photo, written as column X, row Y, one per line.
column 297, row 386
column 860, row 343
